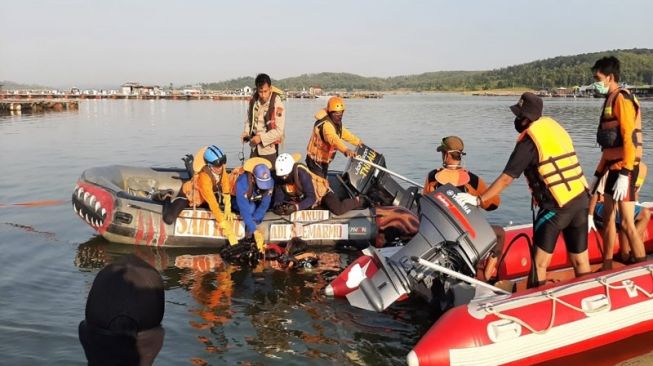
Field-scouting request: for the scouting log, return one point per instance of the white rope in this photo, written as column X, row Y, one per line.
column 554, row 300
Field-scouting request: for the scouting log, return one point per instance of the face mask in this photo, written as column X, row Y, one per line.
column 519, row 126
column 600, row 87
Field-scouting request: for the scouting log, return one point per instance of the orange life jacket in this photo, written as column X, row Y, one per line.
column 318, row 148
column 608, row 134
column 295, row 189
column 463, row 180
column 192, row 191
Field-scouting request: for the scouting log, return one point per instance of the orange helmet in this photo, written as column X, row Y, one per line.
column 336, row 104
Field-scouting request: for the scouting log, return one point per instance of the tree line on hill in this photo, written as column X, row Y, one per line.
column 562, row 71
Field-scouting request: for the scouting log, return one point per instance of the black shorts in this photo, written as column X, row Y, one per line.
column 612, row 179
column 571, row 220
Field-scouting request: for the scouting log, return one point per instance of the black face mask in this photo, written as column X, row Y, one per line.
column 520, row 126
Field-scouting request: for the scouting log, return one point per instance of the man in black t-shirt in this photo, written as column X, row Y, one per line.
column 545, row 154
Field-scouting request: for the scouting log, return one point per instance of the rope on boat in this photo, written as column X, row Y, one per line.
column 555, row 300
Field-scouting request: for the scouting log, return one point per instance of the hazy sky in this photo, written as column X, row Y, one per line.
column 108, row 42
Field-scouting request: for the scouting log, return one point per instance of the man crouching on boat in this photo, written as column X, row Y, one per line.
column 300, row 189
column 252, row 185
column 209, row 180
column 453, row 172
column 545, row 154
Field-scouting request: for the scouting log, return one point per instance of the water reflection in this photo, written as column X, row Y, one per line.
column 220, row 314
column 278, row 316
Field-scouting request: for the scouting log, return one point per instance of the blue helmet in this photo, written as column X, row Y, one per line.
column 214, row 156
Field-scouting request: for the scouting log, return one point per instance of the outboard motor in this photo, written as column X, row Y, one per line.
column 379, row 186
column 450, row 234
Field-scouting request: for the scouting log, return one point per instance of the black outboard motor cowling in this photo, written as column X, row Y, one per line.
column 377, row 185
column 450, row 234
column 359, row 175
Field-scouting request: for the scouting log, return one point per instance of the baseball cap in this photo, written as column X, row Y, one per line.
column 529, row 106
column 263, row 177
column 451, row 143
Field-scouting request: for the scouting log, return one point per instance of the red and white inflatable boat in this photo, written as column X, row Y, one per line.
column 537, row 325
column 516, row 262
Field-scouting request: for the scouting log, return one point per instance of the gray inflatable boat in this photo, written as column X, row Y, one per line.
column 124, row 204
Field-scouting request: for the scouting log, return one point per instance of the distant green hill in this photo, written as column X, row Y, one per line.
column 10, row 85
column 562, row 71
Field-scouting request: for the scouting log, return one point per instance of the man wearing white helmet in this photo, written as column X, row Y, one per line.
column 299, row 189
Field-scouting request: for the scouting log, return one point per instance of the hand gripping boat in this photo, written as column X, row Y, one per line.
column 534, row 326
column 124, row 205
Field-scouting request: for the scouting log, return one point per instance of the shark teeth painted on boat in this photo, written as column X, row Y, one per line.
column 89, row 208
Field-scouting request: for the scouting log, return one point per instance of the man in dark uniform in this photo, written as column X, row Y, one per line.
column 545, row 154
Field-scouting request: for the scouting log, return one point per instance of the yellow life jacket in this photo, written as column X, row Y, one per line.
column 608, row 134
column 295, row 189
column 558, row 165
column 318, row 148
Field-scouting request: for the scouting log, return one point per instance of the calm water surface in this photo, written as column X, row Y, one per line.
column 259, row 316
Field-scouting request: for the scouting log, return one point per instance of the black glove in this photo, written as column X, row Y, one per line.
column 279, row 209
column 188, row 163
column 245, row 252
column 289, row 208
column 285, row 209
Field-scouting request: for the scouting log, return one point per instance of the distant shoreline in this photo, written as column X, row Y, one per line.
column 489, row 92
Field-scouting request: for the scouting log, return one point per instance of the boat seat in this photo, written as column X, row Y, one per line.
column 147, row 187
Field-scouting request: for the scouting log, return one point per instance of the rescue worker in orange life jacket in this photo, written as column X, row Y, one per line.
column 620, row 137
column 328, row 136
column 452, row 172
column 641, row 215
column 545, row 154
column 209, row 179
column 300, row 189
column 266, row 120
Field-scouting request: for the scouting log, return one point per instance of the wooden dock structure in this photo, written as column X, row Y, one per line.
column 37, row 105
column 75, row 96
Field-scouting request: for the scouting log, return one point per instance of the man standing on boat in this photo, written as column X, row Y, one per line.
column 641, row 216
column 328, row 136
column 545, row 154
column 452, row 172
column 620, row 137
column 266, row 119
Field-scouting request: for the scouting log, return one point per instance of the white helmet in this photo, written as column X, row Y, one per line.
column 283, row 165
